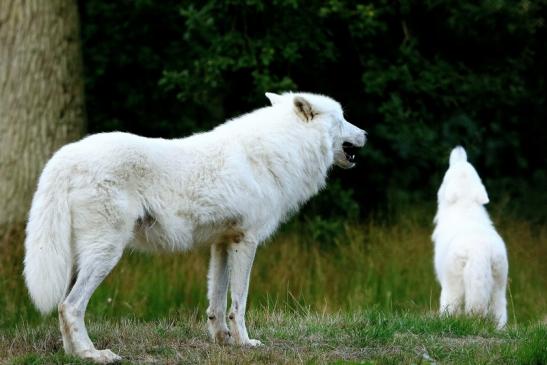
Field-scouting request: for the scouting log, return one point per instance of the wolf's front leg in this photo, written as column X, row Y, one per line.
column 240, row 261
column 216, row 293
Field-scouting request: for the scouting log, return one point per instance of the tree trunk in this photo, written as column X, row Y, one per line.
column 41, row 95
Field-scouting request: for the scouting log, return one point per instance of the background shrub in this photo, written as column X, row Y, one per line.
column 421, row 77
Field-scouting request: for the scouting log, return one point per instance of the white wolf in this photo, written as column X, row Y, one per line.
column 228, row 188
column 470, row 256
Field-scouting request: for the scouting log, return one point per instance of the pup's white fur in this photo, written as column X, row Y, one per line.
column 228, row 188
column 470, row 256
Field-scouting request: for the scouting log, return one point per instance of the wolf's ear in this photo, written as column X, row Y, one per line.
column 303, row 108
column 458, row 154
column 274, row 98
column 480, row 195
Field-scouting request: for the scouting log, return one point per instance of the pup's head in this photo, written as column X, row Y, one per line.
column 461, row 183
column 313, row 108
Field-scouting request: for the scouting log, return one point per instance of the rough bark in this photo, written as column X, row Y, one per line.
column 41, row 95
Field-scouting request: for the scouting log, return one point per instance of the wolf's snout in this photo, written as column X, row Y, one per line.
column 361, row 139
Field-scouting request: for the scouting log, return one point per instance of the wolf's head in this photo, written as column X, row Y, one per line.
column 461, row 183
column 326, row 112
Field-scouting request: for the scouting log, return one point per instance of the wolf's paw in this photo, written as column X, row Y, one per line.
column 253, row 343
column 101, row 356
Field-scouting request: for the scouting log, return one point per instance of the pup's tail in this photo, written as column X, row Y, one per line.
column 478, row 283
column 458, row 154
column 48, row 256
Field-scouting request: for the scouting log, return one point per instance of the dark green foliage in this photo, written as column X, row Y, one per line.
column 421, row 77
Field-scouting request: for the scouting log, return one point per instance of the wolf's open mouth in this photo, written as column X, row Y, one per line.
column 347, row 147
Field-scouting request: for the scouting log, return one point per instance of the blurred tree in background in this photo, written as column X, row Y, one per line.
column 41, row 96
column 419, row 76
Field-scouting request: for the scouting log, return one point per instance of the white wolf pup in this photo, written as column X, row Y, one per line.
column 228, row 188
column 470, row 256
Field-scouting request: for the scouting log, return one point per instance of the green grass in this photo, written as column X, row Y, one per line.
column 363, row 337
column 367, row 295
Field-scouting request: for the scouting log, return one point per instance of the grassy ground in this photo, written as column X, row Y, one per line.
column 366, row 293
column 366, row 337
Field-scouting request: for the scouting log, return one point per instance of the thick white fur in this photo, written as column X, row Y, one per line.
column 470, row 256
column 228, row 188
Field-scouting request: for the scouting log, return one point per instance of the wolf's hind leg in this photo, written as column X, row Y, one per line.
column 97, row 257
column 67, row 344
column 217, row 293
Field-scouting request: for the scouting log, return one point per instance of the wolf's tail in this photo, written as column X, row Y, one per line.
column 48, row 256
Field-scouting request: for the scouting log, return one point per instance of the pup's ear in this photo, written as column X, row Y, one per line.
column 458, row 154
column 303, row 108
column 480, row 195
column 452, row 192
column 274, row 98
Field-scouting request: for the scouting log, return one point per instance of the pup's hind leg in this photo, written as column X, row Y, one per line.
column 240, row 260
column 499, row 301
column 478, row 286
column 499, row 306
column 452, row 293
column 97, row 256
column 217, row 292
